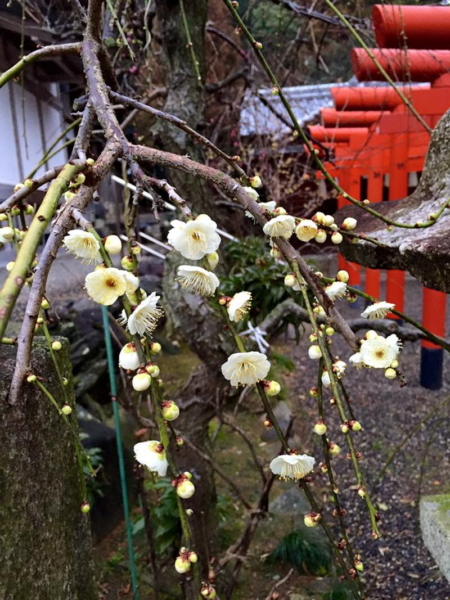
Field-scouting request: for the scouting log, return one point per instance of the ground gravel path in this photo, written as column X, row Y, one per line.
column 399, row 567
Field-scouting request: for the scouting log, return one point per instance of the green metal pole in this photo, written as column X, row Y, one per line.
column 123, row 479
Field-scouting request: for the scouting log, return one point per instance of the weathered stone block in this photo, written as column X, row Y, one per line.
column 44, row 538
column 435, row 526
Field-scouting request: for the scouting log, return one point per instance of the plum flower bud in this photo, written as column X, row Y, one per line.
column 313, row 392
column 170, row 410
column 361, row 492
column 155, row 348
column 327, row 220
column 141, row 382
column 390, row 373
column 85, row 507
column 129, row 358
column 358, row 565
column 371, row 335
column 208, row 592
column 179, row 440
column 189, row 512
column 320, row 428
column 279, row 211
column 182, row 565
column 355, row 425
column 66, row 410
column 275, row 252
column 344, row 427
column 56, row 346
column 135, row 249
column 321, row 237
column 185, row 489
column 318, row 217
column 312, row 519
column 349, row 224
column 113, row 244
column 337, row 238
column 127, row 263
column 153, row 370
column 314, row 352
column 31, row 378
column 255, row 181
column 342, row 276
column 329, row 331
column 272, row 388
column 334, row 449
column 213, row 260
column 290, row 280
column 10, row 266
column 7, row 233
column 45, row 304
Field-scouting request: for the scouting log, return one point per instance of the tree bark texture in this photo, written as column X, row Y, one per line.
column 423, row 252
column 45, row 539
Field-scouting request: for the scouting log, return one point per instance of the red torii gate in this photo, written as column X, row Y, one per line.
column 374, row 134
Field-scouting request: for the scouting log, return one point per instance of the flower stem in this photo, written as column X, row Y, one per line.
column 336, row 394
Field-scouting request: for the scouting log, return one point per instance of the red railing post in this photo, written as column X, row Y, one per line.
column 398, row 189
column 434, row 306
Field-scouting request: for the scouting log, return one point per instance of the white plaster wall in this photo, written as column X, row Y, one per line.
column 19, row 110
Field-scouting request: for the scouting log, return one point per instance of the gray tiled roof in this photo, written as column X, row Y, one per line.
column 306, row 102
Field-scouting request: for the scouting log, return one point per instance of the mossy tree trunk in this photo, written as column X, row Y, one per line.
column 191, row 317
column 45, row 539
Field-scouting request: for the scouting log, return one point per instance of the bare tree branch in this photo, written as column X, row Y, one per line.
column 46, row 52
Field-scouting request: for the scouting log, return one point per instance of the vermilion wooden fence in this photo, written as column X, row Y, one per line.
column 376, row 139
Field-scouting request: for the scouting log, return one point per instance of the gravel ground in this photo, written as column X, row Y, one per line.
column 398, row 566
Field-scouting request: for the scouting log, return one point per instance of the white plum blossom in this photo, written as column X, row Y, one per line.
column 84, row 245
column 129, row 358
column 246, row 368
column 380, row 352
column 269, row 206
column 339, row 367
column 252, row 193
column 378, row 310
column 356, row 360
column 153, row 456
column 106, row 285
column 239, row 305
column 197, row 280
column 194, row 239
column 337, row 289
column 132, row 282
column 306, row 230
column 281, row 226
column 145, row 316
column 292, row 466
